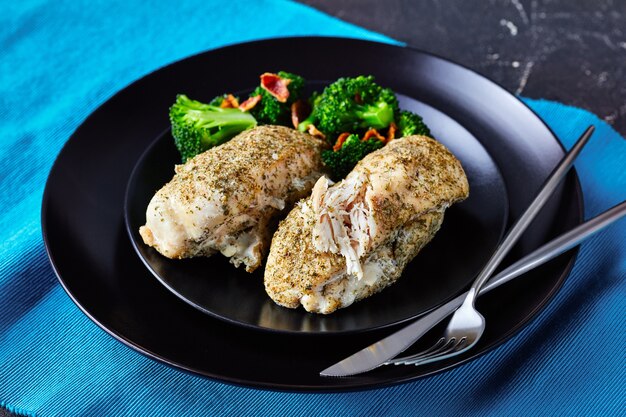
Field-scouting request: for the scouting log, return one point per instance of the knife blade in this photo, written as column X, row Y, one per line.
column 380, row 352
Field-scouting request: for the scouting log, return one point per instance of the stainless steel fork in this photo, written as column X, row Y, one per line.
column 548, row 251
column 467, row 324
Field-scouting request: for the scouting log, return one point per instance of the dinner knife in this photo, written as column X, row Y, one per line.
column 378, row 353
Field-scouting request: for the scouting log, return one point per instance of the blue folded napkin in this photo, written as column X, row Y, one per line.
column 60, row 60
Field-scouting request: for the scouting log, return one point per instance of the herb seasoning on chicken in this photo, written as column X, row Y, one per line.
column 351, row 240
column 228, row 198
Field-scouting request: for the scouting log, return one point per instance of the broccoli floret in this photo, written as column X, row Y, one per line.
column 354, row 104
column 270, row 111
column 197, row 127
column 341, row 162
column 411, row 124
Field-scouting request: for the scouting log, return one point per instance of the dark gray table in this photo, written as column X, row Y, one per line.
column 572, row 51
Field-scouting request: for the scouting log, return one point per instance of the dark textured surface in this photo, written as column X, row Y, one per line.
column 569, row 51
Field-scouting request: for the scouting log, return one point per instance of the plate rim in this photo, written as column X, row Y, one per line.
column 364, row 384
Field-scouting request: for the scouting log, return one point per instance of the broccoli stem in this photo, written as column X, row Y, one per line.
column 378, row 116
column 219, row 117
column 223, row 134
column 304, row 125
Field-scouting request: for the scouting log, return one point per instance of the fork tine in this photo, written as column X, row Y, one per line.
column 434, row 348
column 442, row 355
column 436, row 354
column 437, row 346
column 442, row 345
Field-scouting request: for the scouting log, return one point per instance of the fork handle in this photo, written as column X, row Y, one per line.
column 531, row 212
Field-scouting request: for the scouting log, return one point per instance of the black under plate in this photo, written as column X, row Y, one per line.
column 83, row 225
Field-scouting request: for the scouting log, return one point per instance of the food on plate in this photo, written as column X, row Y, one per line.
column 354, row 238
column 347, row 152
column 357, row 106
column 277, row 92
column 197, row 126
column 249, row 159
column 351, row 104
column 411, row 124
column 228, row 198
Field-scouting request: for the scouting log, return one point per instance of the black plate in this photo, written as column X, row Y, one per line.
column 84, row 233
column 469, row 235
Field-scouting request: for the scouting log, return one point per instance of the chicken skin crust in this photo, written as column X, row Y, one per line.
column 352, row 239
column 229, row 198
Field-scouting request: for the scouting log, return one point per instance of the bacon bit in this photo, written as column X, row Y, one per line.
column 391, row 133
column 340, row 140
column 314, row 132
column 250, row 103
column 299, row 111
column 358, row 99
column 230, row 102
column 373, row 133
column 276, row 86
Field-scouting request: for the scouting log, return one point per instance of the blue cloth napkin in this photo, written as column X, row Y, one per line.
column 60, row 60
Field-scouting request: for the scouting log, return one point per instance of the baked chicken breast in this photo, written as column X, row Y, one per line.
column 228, row 199
column 352, row 239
